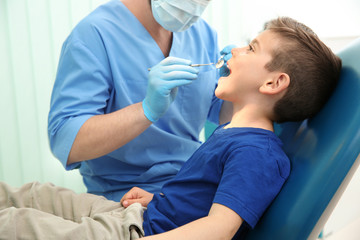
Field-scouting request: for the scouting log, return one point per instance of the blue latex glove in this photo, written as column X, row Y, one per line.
column 224, row 71
column 164, row 80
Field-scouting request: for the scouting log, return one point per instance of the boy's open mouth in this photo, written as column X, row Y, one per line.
column 228, row 66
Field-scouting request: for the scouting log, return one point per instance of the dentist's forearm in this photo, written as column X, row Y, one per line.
column 103, row 134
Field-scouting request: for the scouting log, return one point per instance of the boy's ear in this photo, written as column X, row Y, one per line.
column 277, row 84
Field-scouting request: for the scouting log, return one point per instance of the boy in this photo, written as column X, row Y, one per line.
column 285, row 74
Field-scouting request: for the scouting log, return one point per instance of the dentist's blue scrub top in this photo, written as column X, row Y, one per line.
column 103, row 67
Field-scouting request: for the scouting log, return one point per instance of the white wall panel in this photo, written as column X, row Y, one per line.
column 10, row 154
column 32, row 34
column 23, row 88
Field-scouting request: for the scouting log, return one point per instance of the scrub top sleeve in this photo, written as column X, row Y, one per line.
column 61, row 143
column 82, row 88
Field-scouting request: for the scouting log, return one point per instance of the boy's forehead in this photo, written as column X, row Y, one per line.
column 266, row 40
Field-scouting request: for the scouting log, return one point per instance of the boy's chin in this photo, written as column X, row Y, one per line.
column 218, row 93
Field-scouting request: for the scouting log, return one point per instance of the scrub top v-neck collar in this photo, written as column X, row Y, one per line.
column 174, row 42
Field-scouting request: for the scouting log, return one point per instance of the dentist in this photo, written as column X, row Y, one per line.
column 118, row 123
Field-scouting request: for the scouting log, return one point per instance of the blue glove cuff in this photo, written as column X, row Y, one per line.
column 148, row 112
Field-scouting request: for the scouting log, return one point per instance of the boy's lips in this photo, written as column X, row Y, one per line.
column 229, row 67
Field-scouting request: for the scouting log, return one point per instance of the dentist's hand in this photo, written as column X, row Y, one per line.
column 224, row 71
column 164, row 80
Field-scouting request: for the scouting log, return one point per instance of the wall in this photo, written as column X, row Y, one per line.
column 32, row 33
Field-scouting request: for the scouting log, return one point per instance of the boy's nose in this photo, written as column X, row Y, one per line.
column 234, row 51
column 238, row 51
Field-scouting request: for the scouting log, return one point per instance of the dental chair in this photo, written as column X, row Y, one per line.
column 324, row 154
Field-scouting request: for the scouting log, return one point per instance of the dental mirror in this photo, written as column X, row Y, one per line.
column 220, row 62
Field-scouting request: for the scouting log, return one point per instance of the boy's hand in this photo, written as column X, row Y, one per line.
column 136, row 195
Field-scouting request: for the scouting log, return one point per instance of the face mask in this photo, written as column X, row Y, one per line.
column 177, row 16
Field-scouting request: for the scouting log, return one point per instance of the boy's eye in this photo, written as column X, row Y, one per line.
column 251, row 49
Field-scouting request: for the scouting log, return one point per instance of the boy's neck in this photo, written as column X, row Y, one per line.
column 250, row 116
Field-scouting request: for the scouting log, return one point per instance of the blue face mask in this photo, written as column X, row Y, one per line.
column 177, row 16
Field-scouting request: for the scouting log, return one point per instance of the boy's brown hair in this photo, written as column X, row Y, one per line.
column 313, row 68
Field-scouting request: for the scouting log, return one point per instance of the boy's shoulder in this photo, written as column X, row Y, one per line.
column 252, row 146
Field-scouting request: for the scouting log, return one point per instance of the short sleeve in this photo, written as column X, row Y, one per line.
column 249, row 183
column 81, row 90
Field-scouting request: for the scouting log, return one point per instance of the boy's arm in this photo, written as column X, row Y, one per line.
column 221, row 223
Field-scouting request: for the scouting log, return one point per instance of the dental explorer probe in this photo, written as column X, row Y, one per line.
column 218, row 64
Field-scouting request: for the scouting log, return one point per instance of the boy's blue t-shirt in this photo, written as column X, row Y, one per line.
column 241, row 168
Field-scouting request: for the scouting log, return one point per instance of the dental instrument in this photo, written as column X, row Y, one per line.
column 218, row 64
